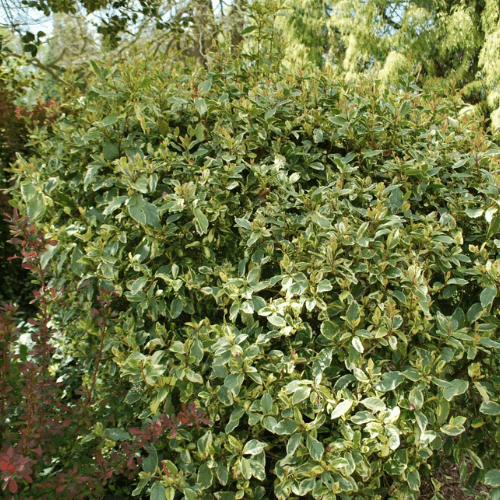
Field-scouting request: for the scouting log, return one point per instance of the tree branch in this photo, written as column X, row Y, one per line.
column 387, row 19
column 49, row 68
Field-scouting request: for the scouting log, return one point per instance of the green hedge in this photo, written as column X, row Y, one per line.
column 313, row 262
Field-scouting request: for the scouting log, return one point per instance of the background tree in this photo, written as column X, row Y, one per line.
column 445, row 39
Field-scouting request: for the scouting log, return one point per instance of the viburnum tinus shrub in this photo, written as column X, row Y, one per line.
column 313, row 262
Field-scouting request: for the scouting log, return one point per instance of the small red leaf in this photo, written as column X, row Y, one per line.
column 13, row 486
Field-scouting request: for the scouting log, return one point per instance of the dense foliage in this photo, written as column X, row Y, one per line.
column 312, row 262
column 15, row 122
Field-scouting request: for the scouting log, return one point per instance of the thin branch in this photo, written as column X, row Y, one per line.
column 53, row 64
column 134, row 40
column 49, row 68
column 387, row 19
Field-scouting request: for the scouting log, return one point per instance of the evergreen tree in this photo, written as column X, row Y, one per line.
column 445, row 39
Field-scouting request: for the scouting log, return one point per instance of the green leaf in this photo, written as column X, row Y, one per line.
column 400, row 296
column 117, row 434
column 158, row 492
column 141, row 184
column 286, row 426
column 457, row 281
column 358, row 345
column 444, row 239
column 269, row 114
column 143, row 212
column 253, row 447
column 317, row 135
column 96, row 67
column 194, row 377
column 110, row 151
column 270, row 424
column 329, row 329
column 243, row 223
column 475, row 459
column 276, row 320
column 201, row 105
column 369, row 154
column 405, row 107
column 253, row 276
column 197, row 351
column 342, row 408
column 140, row 486
column 202, row 221
column 177, row 100
column 176, row 307
column 171, row 467
column 293, row 443
column 114, row 204
column 248, row 29
column 110, row 120
column 150, row 463
column 374, row 404
column 300, row 394
column 205, row 86
column 315, row 448
column 204, row 444
column 36, row 206
column 246, row 468
column 494, row 494
column 321, row 220
column 389, row 381
column 266, row 402
column 222, row 473
column 233, row 382
column 338, row 120
column 362, row 417
column 489, row 343
column 487, row 296
column 138, row 285
column 251, row 468
column 205, row 476
column 474, row 312
column 490, row 408
column 132, row 397
column 416, row 397
column 32, row 48
column 492, row 478
column 414, row 480
column 322, row 362
column 455, row 388
column 325, row 286
column 353, row 311
column 474, row 212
